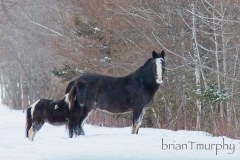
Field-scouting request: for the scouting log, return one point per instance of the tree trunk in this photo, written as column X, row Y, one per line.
column 197, row 66
column 224, row 46
column 1, row 84
column 217, row 62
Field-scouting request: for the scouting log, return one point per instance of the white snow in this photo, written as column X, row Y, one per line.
column 52, row 143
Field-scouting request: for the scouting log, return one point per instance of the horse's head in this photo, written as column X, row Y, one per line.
column 158, row 59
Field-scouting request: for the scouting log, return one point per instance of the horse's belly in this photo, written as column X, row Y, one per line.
column 57, row 120
column 114, row 109
column 116, row 100
column 57, row 123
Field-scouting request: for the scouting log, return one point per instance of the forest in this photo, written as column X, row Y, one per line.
column 45, row 44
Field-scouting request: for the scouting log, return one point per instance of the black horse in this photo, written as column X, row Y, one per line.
column 133, row 92
column 66, row 111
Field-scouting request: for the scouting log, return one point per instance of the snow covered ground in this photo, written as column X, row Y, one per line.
column 52, row 143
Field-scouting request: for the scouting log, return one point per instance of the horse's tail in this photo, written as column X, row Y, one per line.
column 71, row 97
column 76, row 90
column 69, row 87
column 28, row 120
column 81, row 91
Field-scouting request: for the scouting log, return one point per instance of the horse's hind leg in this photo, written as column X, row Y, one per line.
column 36, row 126
column 28, row 121
column 137, row 119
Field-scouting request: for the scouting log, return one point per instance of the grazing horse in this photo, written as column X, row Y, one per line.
column 61, row 112
column 133, row 92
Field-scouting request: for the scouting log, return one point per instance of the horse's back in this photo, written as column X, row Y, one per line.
column 112, row 94
column 42, row 104
column 49, row 106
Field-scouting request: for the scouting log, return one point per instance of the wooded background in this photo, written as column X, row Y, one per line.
column 44, row 44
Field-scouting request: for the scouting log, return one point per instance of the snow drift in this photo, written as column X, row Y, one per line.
column 52, row 143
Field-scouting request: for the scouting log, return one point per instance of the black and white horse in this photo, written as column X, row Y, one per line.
column 133, row 92
column 66, row 111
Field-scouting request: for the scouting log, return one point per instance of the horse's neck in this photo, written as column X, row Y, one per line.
column 145, row 76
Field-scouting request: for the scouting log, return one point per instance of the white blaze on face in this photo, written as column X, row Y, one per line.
column 159, row 70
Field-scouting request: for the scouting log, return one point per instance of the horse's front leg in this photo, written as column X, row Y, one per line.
column 87, row 111
column 138, row 114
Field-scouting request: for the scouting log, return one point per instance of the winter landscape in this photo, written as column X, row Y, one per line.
column 109, row 143
column 194, row 86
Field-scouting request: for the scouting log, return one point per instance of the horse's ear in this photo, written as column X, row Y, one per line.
column 163, row 54
column 154, row 54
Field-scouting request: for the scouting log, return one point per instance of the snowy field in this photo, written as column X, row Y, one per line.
column 52, row 143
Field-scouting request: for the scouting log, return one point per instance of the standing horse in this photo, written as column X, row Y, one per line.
column 65, row 111
column 133, row 92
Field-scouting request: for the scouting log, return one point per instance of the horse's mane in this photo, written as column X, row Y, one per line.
column 100, row 75
column 144, row 65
